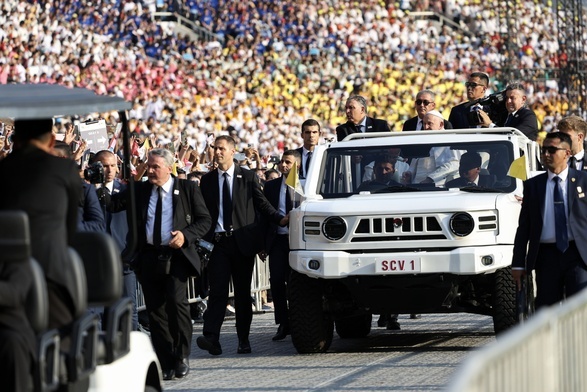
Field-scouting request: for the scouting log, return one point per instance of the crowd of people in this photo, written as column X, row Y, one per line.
column 273, row 65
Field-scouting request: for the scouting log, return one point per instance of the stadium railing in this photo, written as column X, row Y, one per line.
column 546, row 353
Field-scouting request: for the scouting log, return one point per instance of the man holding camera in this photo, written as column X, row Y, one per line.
column 461, row 116
column 171, row 219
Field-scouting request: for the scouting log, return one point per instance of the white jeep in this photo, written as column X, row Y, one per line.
column 360, row 248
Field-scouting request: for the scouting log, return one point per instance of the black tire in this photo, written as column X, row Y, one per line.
column 354, row 327
column 311, row 327
column 504, row 300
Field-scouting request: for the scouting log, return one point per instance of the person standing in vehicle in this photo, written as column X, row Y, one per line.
column 358, row 121
column 551, row 238
column 424, row 103
column 520, row 116
column 460, row 115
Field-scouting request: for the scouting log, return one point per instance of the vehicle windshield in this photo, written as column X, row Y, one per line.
column 470, row 167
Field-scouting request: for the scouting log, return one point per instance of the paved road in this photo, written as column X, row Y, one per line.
column 420, row 357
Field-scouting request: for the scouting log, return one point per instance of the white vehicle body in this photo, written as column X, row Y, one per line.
column 413, row 248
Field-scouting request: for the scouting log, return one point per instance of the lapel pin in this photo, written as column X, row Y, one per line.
column 581, row 195
column 573, row 180
column 579, row 189
column 239, row 176
column 115, row 190
column 176, row 192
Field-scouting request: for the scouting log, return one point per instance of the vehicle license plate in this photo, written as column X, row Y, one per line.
column 397, row 265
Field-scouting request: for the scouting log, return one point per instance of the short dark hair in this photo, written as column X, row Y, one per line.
column 63, row 147
column 481, row 75
column 227, row 139
column 573, row 123
column 385, row 158
column 561, row 136
column 310, row 123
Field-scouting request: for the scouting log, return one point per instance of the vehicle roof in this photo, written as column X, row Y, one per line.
column 427, row 137
column 33, row 101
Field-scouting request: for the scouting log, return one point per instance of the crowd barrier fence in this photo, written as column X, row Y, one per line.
column 259, row 284
column 547, row 353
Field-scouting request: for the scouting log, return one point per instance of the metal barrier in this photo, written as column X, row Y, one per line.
column 259, row 283
column 547, row 353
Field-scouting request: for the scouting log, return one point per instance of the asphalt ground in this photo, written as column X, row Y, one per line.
column 422, row 356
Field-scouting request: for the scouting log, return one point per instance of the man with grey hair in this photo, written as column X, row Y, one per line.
column 519, row 116
column 357, row 119
column 171, row 218
column 425, row 101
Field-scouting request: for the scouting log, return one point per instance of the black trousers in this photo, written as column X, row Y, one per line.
column 225, row 261
column 15, row 371
column 279, row 272
column 558, row 275
column 167, row 305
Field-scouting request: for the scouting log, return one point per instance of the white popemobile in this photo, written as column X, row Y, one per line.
column 360, row 247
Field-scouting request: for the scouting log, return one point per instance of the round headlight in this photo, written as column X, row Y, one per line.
column 334, row 228
column 462, row 224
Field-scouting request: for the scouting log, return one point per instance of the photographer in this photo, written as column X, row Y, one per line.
column 89, row 216
column 475, row 113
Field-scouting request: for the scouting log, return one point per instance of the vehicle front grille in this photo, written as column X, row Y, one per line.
column 415, row 228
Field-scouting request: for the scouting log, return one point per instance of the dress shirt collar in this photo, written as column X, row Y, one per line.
column 563, row 175
column 167, row 186
column 579, row 156
column 230, row 172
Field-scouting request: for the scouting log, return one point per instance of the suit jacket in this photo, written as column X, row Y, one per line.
column 116, row 223
column 48, row 189
column 484, row 181
column 530, row 223
column 272, row 192
column 524, row 120
column 302, row 170
column 412, row 124
column 248, row 203
column 459, row 116
column 372, row 125
column 90, row 216
column 190, row 215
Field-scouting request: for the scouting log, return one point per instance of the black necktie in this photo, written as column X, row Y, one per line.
column 573, row 162
column 471, row 183
column 226, row 204
column 158, row 213
column 508, row 120
column 308, row 159
column 288, row 203
column 359, row 128
column 560, row 218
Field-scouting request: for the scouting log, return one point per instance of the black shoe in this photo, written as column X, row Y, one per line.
column 382, row 322
column 182, row 368
column 212, row 346
column 415, row 316
column 244, row 347
column 282, row 332
column 168, row 374
column 393, row 325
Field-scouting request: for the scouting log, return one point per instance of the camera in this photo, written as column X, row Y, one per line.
column 493, row 105
column 94, row 173
column 204, row 249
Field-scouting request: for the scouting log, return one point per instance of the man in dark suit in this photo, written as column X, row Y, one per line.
column 235, row 201
column 171, row 218
column 117, row 226
column 469, row 170
column 424, row 103
column 311, row 137
column 277, row 241
column 576, row 128
column 48, row 189
column 552, row 231
column 356, row 114
column 519, row 116
column 460, row 115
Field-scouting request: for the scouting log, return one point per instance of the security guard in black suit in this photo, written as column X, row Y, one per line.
column 235, row 200
column 576, row 128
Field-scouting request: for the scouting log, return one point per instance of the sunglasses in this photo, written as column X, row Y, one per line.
column 473, row 85
column 551, row 149
column 423, row 101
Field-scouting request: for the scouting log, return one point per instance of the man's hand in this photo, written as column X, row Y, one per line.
column 177, row 239
column 69, row 136
column 284, row 221
column 486, row 121
column 407, row 177
column 517, row 274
